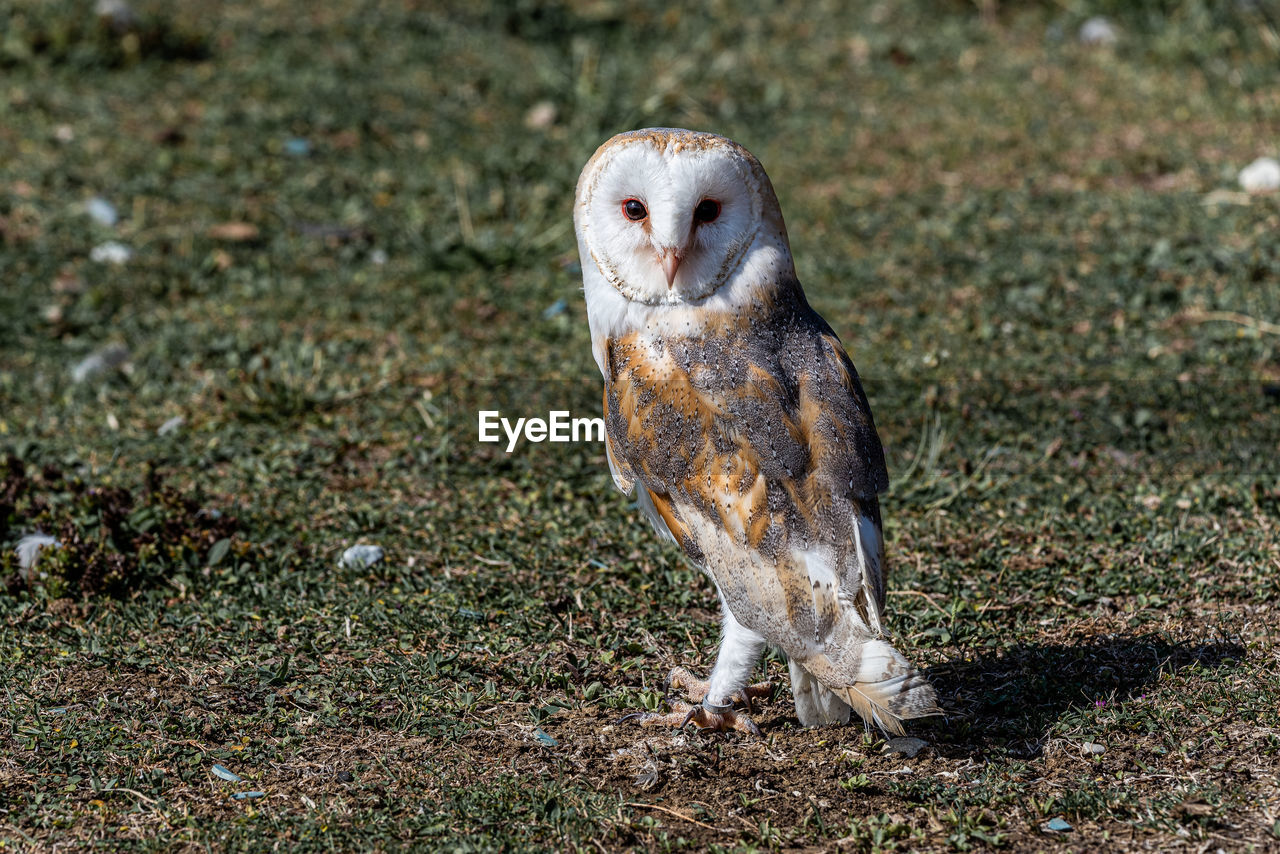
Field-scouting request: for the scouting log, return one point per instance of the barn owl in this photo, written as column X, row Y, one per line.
column 734, row 413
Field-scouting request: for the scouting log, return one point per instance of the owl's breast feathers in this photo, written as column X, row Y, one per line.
column 753, row 442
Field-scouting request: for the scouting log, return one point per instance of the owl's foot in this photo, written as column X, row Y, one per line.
column 697, row 689
column 705, row 718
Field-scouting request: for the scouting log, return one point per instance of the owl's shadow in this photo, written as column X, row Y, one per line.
column 1008, row 699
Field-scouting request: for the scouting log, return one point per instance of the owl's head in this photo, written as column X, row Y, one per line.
column 670, row 216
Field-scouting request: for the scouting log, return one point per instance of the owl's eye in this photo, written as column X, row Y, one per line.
column 634, row 210
column 706, row 211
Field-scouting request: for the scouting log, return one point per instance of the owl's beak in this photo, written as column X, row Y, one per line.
column 670, row 260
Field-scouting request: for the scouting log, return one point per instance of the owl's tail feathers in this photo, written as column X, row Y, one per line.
column 879, row 683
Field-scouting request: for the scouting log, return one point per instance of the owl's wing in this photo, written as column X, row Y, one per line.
column 759, row 457
column 623, row 477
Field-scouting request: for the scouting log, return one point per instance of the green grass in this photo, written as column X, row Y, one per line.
column 1033, row 250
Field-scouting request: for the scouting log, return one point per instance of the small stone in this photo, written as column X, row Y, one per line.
column 906, row 746
column 541, row 116
column 117, row 14
column 111, row 252
column 234, row 232
column 1261, row 176
column 101, row 211
column 361, row 557
column 111, row 356
column 1093, row 748
column 1098, row 32
column 171, row 426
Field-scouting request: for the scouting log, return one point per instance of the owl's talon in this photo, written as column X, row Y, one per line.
column 696, row 689
column 723, row 721
column 682, row 714
column 679, row 678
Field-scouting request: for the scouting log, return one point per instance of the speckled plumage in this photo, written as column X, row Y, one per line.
column 733, row 408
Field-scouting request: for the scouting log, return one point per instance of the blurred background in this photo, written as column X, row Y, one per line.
column 261, row 263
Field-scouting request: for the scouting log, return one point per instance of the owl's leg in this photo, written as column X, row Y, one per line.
column 740, row 650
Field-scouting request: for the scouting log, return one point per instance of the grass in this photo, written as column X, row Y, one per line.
column 1034, row 251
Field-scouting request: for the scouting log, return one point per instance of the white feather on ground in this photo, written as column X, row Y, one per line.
column 29, row 548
